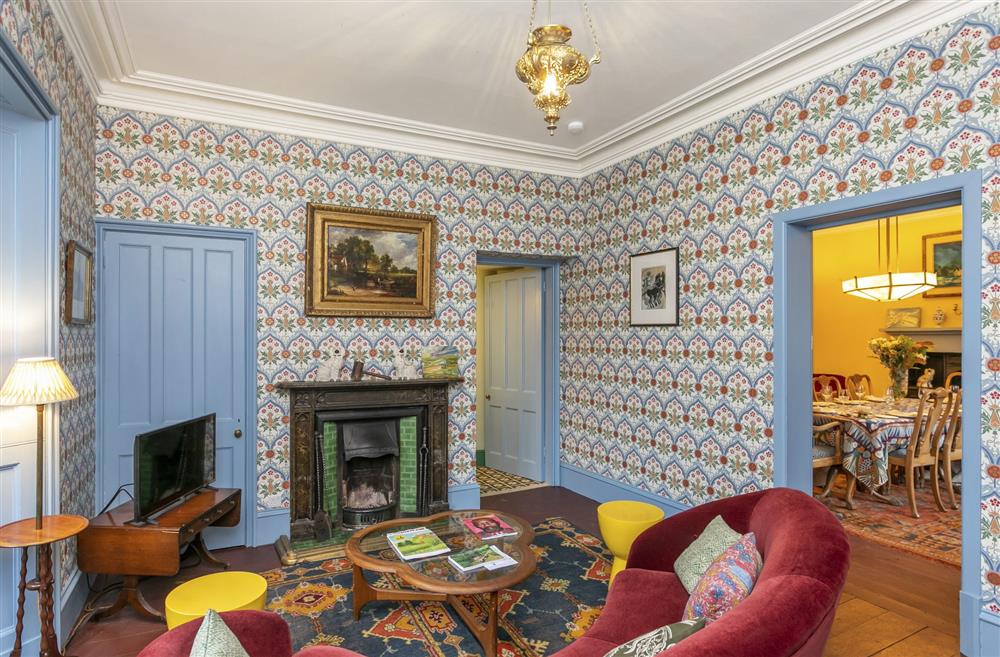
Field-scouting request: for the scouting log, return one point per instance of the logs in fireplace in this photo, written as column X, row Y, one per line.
column 363, row 452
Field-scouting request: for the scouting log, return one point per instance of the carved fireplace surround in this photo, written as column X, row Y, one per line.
column 312, row 401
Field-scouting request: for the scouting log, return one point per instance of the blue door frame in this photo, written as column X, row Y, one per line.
column 249, row 238
column 550, row 351
column 793, row 355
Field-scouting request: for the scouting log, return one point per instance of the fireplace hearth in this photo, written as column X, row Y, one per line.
column 362, row 452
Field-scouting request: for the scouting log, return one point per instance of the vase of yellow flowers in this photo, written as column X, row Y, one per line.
column 898, row 354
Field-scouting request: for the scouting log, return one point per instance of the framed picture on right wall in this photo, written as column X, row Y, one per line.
column 943, row 256
column 654, row 288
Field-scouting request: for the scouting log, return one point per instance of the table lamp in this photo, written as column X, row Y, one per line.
column 37, row 381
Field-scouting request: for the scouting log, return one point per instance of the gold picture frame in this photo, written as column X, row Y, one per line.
column 369, row 263
column 79, row 303
column 943, row 256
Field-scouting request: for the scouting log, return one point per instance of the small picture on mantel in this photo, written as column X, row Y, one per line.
column 902, row 318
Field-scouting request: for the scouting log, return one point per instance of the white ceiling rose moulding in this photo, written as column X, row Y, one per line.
column 96, row 36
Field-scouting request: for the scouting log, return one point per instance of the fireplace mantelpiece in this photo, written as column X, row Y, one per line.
column 309, row 398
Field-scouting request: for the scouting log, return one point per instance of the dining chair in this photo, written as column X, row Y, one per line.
column 828, row 452
column 951, row 448
column 859, row 386
column 949, row 380
column 924, row 446
column 821, row 381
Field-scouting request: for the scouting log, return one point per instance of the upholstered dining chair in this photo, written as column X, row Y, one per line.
column 828, row 452
column 951, row 448
column 859, row 386
column 949, row 380
column 821, row 381
column 924, row 446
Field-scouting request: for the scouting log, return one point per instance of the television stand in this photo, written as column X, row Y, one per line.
column 111, row 545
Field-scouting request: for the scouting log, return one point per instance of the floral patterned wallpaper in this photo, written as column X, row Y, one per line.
column 156, row 168
column 30, row 27
column 687, row 413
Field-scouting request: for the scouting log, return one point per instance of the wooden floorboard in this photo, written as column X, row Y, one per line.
column 894, row 604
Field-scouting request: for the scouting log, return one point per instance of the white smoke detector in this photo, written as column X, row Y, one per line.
column 575, row 127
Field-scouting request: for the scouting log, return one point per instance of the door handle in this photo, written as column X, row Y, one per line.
column 238, row 433
column 489, row 397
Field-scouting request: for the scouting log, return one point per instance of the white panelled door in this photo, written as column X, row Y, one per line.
column 172, row 347
column 513, row 374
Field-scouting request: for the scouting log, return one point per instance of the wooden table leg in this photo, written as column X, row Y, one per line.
column 21, row 585
column 49, row 642
column 205, row 554
column 486, row 633
column 129, row 595
column 362, row 592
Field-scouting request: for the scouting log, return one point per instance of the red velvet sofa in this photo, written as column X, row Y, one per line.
column 789, row 612
column 262, row 633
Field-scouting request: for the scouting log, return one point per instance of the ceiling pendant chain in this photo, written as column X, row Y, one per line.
column 531, row 20
column 596, row 58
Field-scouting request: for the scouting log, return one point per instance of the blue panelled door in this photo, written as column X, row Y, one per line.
column 173, row 340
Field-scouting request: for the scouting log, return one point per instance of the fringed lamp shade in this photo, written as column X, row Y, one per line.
column 34, row 381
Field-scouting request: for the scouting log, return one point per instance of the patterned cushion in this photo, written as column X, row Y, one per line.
column 822, row 450
column 660, row 639
column 727, row 582
column 697, row 557
column 215, row 639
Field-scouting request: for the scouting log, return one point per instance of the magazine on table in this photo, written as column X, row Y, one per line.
column 488, row 527
column 416, row 543
column 489, row 557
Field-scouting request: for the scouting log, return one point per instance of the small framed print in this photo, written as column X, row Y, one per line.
column 79, row 308
column 902, row 318
column 654, row 287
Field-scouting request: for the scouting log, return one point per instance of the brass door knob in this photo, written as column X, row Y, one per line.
column 489, row 397
column 238, row 433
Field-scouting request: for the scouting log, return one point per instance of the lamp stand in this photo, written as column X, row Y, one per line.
column 39, row 464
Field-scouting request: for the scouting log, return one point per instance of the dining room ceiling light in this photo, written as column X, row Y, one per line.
column 890, row 285
column 550, row 64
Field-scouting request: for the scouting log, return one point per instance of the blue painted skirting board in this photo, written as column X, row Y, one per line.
column 603, row 489
column 989, row 631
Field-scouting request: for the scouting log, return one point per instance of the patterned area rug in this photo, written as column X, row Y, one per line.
column 935, row 534
column 493, row 481
column 541, row 615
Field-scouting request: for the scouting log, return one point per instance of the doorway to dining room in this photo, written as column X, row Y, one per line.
column 888, row 465
column 903, row 581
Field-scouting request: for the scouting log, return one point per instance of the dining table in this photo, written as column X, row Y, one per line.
column 871, row 428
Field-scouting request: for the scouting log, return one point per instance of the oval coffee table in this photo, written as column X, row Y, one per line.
column 434, row 577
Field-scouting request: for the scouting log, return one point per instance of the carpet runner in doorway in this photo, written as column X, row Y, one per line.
column 492, row 481
column 537, row 617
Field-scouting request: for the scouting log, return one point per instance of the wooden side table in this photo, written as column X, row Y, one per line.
column 22, row 534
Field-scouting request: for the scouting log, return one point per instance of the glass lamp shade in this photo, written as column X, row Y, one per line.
column 889, row 286
column 34, row 381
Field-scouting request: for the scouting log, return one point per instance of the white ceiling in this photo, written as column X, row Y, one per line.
column 443, row 69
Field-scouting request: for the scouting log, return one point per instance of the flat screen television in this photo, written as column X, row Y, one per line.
column 171, row 463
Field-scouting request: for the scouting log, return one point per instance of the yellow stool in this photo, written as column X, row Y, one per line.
column 621, row 522
column 226, row 591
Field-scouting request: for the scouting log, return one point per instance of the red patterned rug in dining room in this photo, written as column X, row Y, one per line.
column 935, row 534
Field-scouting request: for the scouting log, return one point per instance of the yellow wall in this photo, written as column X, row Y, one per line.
column 843, row 324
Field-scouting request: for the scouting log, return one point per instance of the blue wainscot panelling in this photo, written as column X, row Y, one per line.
column 603, row 489
column 989, row 634
column 464, row 496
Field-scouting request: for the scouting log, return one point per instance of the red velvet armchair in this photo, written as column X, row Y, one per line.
column 790, row 610
column 262, row 633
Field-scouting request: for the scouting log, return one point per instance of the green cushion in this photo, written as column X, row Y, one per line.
column 215, row 639
column 655, row 642
column 703, row 551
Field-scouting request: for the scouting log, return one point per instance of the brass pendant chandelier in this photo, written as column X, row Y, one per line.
column 889, row 286
column 550, row 64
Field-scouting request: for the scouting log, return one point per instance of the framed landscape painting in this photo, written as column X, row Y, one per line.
column 654, row 288
column 369, row 263
column 943, row 256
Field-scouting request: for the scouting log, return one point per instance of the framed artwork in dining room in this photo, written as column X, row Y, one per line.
column 79, row 305
column 654, row 288
column 369, row 263
column 943, row 256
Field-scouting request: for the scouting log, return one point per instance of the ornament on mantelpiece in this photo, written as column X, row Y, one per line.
column 399, row 364
column 938, row 317
column 332, row 367
column 410, row 371
column 926, row 379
